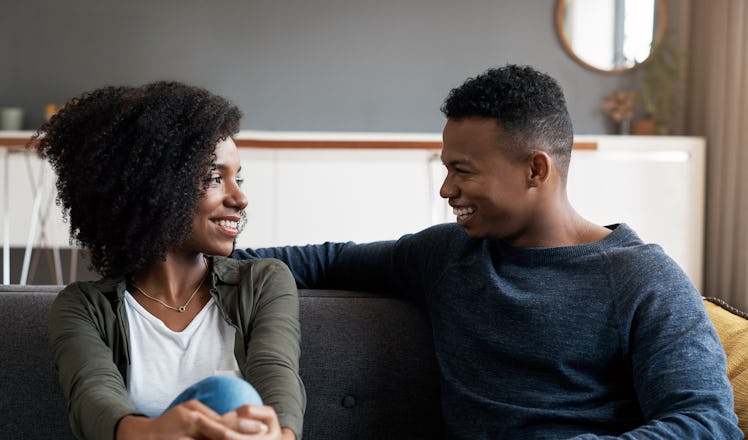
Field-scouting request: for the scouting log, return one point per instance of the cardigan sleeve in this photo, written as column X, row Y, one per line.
column 273, row 343
column 92, row 385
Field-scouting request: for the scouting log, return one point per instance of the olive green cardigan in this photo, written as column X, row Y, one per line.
column 90, row 342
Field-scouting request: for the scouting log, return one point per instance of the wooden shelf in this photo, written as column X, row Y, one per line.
column 310, row 140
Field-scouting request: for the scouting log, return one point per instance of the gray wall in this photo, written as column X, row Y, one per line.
column 349, row 65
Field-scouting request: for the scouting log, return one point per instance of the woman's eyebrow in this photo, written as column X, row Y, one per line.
column 223, row 166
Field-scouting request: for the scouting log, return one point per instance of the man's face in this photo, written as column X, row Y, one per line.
column 489, row 193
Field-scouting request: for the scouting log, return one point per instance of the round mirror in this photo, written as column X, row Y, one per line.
column 611, row 35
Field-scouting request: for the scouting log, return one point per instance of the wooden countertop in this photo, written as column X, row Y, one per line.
column 318, row 140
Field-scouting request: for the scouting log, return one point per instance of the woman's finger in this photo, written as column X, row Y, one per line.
column 263, row 413
column 196, row 405
column 243, row 424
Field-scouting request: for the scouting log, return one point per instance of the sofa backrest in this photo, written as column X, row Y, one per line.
column 30, row 397
column 367, row 363
column 369, row 369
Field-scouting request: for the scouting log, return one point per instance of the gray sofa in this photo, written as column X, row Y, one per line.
column 367, row 362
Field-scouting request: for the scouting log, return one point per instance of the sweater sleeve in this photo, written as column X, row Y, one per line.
column 310, row 264
column 406, row 266
column 366, row 267
column 273, row 348
column 677, row 362
column 92, row 385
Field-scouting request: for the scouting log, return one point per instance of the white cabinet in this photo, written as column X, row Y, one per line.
column 312, row 195
column 655, row 184
column 299, row 196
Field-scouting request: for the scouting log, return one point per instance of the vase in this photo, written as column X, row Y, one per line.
column 645, row 126
column 624, row 127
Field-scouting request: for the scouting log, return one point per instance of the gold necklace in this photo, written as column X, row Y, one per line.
column 181, row 308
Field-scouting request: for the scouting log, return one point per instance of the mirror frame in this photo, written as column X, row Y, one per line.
column 659, row 36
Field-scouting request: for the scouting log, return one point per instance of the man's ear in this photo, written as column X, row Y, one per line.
column 539, row 170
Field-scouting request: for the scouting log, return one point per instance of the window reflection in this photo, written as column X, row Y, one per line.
column 610, row 34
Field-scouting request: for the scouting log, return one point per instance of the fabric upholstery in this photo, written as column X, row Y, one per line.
column 732, row 327
column 367, row 363
column 30, row 396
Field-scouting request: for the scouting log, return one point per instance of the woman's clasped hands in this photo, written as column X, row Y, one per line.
column 194, row 420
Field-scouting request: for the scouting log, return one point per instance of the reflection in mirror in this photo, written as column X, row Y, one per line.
column 610, row 35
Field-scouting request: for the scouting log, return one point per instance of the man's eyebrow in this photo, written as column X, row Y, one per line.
column 455, row 162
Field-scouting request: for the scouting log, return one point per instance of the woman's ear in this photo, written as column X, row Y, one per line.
column 539, row 168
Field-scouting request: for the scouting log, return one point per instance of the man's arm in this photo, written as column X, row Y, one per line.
column 366, row 267
column 310, row 264
column 408, row 267
column 677, row 362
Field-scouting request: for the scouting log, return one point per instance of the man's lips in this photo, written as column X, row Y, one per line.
column 463, row 213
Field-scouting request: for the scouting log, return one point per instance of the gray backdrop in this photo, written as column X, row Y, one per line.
column 349, row 65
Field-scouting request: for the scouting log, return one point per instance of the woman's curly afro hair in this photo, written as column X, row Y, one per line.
column 131, row 164
column 528, row 105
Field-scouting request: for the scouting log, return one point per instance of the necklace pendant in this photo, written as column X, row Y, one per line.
column 181, row 309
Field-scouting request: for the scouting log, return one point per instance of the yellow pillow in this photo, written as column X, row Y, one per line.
column 732, row 327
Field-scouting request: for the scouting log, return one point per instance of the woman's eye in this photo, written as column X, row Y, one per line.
column 214, row 179
column 239, row 181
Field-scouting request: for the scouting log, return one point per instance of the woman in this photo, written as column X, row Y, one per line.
column 149, row 180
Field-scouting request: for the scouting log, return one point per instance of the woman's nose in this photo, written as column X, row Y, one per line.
column 236, row 197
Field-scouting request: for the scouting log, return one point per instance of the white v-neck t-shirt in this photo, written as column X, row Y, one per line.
column 165, row 362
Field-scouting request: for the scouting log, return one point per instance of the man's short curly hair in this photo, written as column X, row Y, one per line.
column 528, row 105
column 131, row 164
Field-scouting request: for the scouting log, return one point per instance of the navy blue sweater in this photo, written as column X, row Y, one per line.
column 600, row 340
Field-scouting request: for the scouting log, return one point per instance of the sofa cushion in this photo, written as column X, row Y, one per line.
column 367, row 362
column 732, row 327
column 368, row 366
column 31, row 401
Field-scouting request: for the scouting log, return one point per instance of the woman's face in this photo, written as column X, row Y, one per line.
column 219, row 211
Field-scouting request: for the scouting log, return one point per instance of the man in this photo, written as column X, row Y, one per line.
column 545, row 325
